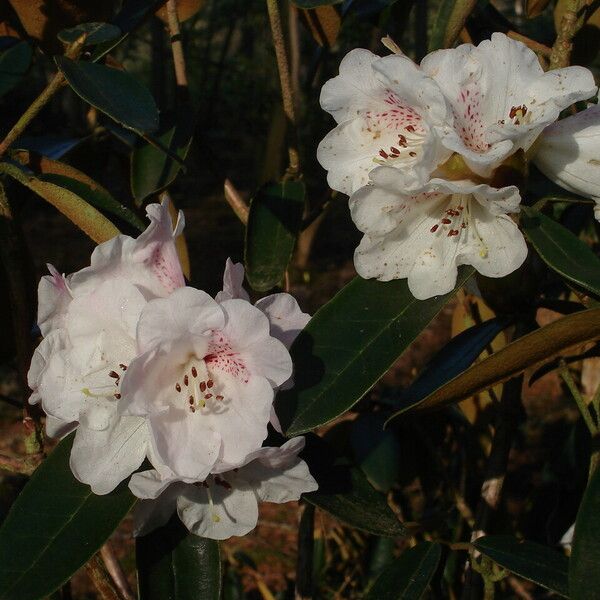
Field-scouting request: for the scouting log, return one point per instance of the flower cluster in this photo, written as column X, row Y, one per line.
column 147, row 368
column 422, row 151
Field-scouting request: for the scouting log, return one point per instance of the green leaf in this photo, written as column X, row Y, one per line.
column 531, row 561
column 562, row 251
column 345, row 493
column 55, row 526
column 584, row 576
column 174, row 564
column 529, row 350
column 376, row 450
column 439, row 27
column 114, row 92
column 96, row 33
column 86, row 217
column 349, row 344
column 79, row 183
column 273, row 224
column 408, row 577
column 456, row 356
column 151, row 169
column 14, row 63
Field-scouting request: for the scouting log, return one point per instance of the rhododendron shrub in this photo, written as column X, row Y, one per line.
column 367, row 365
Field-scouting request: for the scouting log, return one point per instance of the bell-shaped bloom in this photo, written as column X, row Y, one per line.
column 386, row 109
column 224, row 504
column 501, row 98
column 89, row 323
column 204, row 381
column 426, row 233
column 568, row 153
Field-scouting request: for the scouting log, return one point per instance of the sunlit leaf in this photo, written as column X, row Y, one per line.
column 55, row 526
column 115, row 93
column 542, row 565
column 529, row 350
column 349, row 344
column 86, row 217
column 273, row 224
column 173, row 564
column 407, row 577
column 562, row 251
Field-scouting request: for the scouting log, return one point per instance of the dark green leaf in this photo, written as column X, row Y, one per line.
column 55, row 526
column 408, row 577
column 114, row 92
column 349, row 344
column 347, row 495
column 584, row 575
column 96, row 33
column 441, row 22
column 151, row 169
column 174, row 564
column 376, row 450
column 315, row 3
column 14, row 63
column 453, row 359
column 561, row 250
column 534, row 562
column 273, row 225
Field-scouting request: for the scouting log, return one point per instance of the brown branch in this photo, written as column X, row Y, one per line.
column 102, row 582
column 571, row 22
column 235, row 200
column 113, row 566
column 285, row 80
column 176, row 45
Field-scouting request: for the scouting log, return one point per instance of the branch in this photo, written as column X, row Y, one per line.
column 115, row 571
column 572, row 21
column 97, row 573
column 233, row 197
column 176, row 45
column 287, row 92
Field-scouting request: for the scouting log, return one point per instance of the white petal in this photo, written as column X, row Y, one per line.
column 148, row 485
column 54, row 342
column 233, row 282
column 57, row 428
column 352, row 89
column 233, row 512
column 568, row 153
column 285, row 317
column 54, row 297
column 187, row 314
column 103, row 459
column 150, row 514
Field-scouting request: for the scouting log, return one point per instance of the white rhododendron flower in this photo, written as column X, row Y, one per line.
column 89, row 321
column 224, row 504
column 426, row 233
column 501, row 98
column 568, row 153
column 385, row 109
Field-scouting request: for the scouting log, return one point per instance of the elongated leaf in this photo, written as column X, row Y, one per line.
column 561, row 250
column 151, row 169
column 408, row 577
column 542, row 565
column 584, row 576
column 439, row 27
column 86, row 217
column 324, row 23
column 174, row 564
column 349, row 344
column 96, row 33
column 273, row 225
column 113, row 92
column 513, row 359
column 452, row 359
column 377, row 451
column 345, row 493
column 14, row 63
column 79, row 183
column 55, row 526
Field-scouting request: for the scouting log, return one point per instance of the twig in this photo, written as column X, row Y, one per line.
column 235, row 200
column 176, row 45
column 287, row 92
column 36, row 106
column 570, row 24
column 458, row 17
column 115, row 570
column 535, row 46
column 491, row 490
column 581, row 404
column 23, row 466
